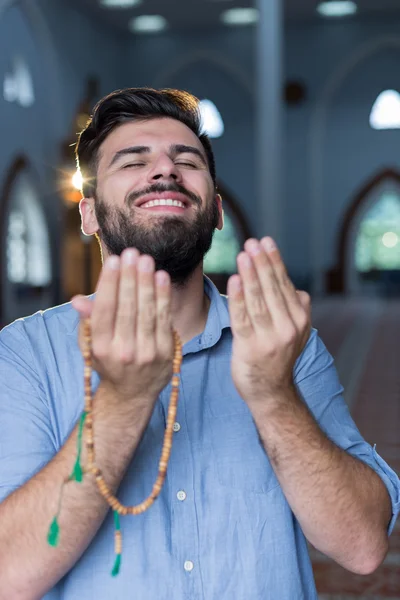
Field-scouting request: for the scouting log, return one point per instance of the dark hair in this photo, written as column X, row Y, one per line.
column 132, row 104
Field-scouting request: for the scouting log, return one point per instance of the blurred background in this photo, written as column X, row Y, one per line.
column 302, row 100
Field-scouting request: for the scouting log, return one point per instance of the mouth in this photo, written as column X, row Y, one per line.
column 166, row 202
column 167, row 205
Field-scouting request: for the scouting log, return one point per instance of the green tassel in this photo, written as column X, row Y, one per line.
column 77, row 473
column 116, row 566
column 117, row 521
column 53, row 535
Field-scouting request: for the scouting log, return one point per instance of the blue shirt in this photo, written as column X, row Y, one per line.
column 221, row 528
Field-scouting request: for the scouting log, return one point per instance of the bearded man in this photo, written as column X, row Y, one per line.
column 265, row 454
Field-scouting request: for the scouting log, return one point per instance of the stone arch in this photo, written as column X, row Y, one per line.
column 165, row 75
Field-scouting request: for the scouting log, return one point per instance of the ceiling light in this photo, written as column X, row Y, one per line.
column 120, row 3
column 148, row 24
column 337, row 8
column 240, row 16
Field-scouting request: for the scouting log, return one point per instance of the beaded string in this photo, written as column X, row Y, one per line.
column 86, row 427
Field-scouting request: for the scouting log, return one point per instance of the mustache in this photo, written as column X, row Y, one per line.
column 160, row 188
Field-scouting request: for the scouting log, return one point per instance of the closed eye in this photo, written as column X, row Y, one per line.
column 133, row 165
column 187, row 164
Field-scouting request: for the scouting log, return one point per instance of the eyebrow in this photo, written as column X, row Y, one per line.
column 175, row 149
column 127, row 151
column 183, row 149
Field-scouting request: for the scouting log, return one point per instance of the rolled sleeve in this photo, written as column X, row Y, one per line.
column 26, row 439
column 318, row 383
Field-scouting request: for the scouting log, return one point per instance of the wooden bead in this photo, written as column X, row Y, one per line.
column 104, row 490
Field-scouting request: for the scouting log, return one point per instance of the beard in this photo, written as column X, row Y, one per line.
column 178, row 245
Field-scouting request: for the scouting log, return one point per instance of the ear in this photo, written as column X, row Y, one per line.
column 90, row 225
column 218, row 200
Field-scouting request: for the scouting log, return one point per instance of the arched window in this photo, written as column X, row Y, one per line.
column 212, row 123
column 220, row 261
column 377, row 244
column 18, row 83
column 225, row 247
column 385, row 113
column 368, row 249
column 26, row 252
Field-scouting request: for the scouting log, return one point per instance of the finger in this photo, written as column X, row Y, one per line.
column 105, row 305
column 240, row 321
column 253, row 295
column 287, row 288
column 269, row 284
column 164, row 338
column 305, row 299
column 83, row 305
column 291, row 298
column 125, row 322
column 146, row 314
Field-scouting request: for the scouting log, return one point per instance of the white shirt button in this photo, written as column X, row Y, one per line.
column 188, row 566
column 176, row 426
column 181, row 495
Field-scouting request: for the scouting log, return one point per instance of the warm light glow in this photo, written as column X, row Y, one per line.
column 120, row 3
column 212, row 123
column 240, row 16
column 337, row 8
column 390, row 239
column 148, row 24
column 77, row 180
column 385, row 113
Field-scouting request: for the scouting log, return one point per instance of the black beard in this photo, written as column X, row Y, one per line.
column 176, row 244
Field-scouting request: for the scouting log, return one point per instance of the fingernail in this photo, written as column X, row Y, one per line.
column 161, row 278
column 129, row 257
column 253, row 247
column 245, row 260
column 269, row 244
column 112, row 263
column 235, row 284
column 145, row 264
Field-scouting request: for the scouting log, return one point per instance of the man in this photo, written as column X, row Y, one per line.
column 265, row 453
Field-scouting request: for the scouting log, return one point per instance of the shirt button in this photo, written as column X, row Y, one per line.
column 181, row 495
column 176, row 427
column 188, row 566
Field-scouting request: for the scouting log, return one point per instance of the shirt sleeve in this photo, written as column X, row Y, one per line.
column 26, row 438
column 317, row 381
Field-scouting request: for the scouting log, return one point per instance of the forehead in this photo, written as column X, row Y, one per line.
column 158, row 134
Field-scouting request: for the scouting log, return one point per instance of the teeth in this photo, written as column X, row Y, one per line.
column 163, row 202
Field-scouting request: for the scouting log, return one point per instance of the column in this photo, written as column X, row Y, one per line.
column 269, row 131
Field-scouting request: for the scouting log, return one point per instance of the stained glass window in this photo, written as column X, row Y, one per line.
column 378, row 238
column 221, row 257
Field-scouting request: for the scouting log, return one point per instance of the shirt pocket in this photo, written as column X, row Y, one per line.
column 239, row 457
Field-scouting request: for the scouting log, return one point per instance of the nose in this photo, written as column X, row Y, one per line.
column 164, row 169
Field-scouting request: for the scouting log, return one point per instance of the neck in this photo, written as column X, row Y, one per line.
column 190, row 306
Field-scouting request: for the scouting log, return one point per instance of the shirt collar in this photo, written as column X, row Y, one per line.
column 217, row 320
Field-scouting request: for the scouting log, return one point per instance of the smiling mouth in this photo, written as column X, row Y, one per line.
column 164, row 205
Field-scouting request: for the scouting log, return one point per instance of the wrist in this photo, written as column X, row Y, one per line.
column 274, row 398
column 113, row 399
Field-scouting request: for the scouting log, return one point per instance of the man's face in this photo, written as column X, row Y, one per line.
column 155, row 193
